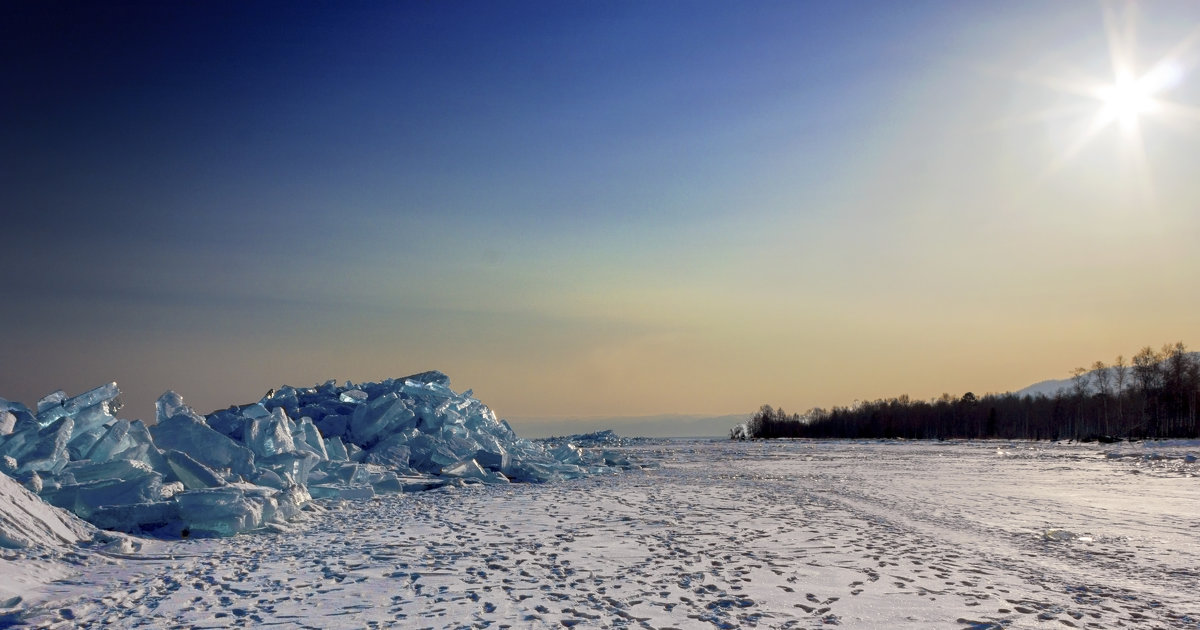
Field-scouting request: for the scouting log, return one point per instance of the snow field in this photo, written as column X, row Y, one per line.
column 770, row 535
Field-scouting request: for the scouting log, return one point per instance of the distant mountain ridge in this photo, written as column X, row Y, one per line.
column 1052, row 386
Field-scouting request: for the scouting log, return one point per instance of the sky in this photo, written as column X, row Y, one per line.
column 593, row 209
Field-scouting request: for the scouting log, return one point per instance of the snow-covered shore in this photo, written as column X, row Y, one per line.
column 774, row 535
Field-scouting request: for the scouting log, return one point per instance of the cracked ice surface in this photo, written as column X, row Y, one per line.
column 770, row 535
column 256, row 465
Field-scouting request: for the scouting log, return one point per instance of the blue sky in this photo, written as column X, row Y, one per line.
column 583, row 208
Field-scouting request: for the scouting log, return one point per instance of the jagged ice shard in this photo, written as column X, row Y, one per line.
column 256, row 465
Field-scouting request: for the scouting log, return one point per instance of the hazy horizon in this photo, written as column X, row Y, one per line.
column 596, row 210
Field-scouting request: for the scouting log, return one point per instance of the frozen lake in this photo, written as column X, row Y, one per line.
column 771, row 535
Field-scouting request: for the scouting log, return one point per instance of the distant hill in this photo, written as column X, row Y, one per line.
column 1051, row 387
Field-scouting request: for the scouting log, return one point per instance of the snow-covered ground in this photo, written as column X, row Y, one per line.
column 774, row 535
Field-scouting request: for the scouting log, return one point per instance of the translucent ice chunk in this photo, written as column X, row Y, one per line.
column 616, row 459
column 268, row 435
column 80, row 443
column 387, row 482
column 138, row 453
column 257, row 410
column 495, row 476
column 378, row 417
column 55, row 406
column 432, row 377
column 88, row 471
column 138, row 486
column 22, row 416
column 428, row 393
column 393, row 452
column 454, row 438
column 49, row 451
column 192, row 473
column 19, row 442
column 289, row 502
column 349, row 474
column 107, row 445
column 90, row 419
column 154, row 517
column 337, row 450
column 51, row 400
column 220, row 511
column 143, row 448
column 428, row 419
column 568, row 453
column 309, row 437
column 334, row 425
column 496, row 458
column 353, row 396
column 294, row 465
column 421, row 484
column 286, row 397
column 267, row 477
column 227, row 422
column 430, row 455
column 468, row 469
column 187, row 432
column 169, row 404
column 330, row 491
column 8, row 421
column 540, row 470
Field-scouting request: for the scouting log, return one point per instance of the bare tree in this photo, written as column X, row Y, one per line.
column 1193, row 389
column 1079, row 382
column 1177, row 370
column 1147, row 371
column 1103, row 379
column 1120, row 373
column 1079, row 386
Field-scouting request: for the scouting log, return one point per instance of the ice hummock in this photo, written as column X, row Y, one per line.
column 254, row 465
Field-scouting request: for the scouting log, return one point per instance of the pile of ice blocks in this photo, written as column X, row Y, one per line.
column 249, row 466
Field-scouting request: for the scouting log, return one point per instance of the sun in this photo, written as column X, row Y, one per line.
column 1125, row 101
column 1129, row 98
column 1131, row 95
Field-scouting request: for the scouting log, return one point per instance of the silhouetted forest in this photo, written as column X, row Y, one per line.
column 1154, row 395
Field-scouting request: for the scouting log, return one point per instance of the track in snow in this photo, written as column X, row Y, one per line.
column 773, row 535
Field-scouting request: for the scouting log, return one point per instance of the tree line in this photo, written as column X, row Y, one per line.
column 1153, row 395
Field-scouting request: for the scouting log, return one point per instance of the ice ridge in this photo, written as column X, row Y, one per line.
column 252, row 466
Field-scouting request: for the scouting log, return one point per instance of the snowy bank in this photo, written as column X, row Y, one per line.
column 257, row 465
column 27, row 521
column 33, row 535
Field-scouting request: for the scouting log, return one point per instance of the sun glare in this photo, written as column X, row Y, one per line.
column 1134, row 93
column 1125, row 101
column 1129, row 98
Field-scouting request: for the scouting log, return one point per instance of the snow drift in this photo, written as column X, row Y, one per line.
column 28, row 522
column 255, row 465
